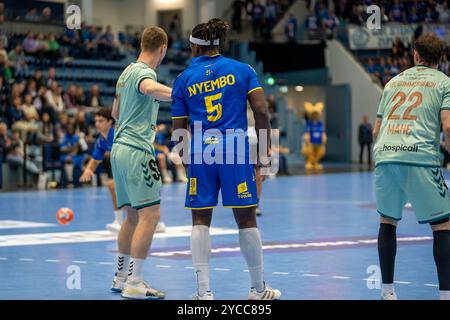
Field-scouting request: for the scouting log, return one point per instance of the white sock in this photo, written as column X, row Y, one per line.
column 445, row 295
column 135, row 268
column 251, row 248
column 201, row 254
column 123, row 261
column 118, row 216
column 387, row 288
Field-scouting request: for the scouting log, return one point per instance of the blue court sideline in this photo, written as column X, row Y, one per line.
column 319, row 234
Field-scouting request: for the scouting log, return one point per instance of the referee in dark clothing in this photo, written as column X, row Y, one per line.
column 365, row 139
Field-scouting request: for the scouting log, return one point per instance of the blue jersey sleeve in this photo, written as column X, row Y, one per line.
column 179, row 107
column 99, row 152
column 253, row 82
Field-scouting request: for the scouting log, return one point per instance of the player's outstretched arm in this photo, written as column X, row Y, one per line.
column 445, row 119
column 260, row 110
column 89, row 171
column 157, row 90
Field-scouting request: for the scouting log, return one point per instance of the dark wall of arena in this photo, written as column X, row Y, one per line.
column 294, row 57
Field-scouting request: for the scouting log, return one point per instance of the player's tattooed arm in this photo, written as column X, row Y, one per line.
column 157, row 90
column 376, row 128
column 260, row 110
column 445, row 119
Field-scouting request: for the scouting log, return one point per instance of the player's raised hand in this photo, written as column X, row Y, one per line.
column 87, row 176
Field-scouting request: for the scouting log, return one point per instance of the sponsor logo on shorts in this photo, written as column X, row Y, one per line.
column 193, row 186
column 242, row 190
column 400, row 148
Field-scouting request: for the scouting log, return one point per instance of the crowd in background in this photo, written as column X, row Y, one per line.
column 263, row 15
column 409, row 11
column 384, row 68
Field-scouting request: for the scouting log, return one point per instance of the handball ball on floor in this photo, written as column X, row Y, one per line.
column 64, row 216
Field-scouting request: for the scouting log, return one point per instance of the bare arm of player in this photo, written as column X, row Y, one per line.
column 376, row 128
column 89, row 171
column 157, row 90
column 260, row 110
column 445, row 119
column 180, row 123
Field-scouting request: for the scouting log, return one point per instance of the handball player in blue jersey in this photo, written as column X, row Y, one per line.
column 213, row 91
column 104, row 123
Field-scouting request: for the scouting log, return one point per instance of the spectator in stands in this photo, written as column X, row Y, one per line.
column 70, row 37
column 431, row 16
column 258, row 20
column 4, row 94
column 40, row 101
column 5, row 70
column 17, row 59
column 271, row 15
column 16, row 156
column 54, row 98
column 29, row 122
column 38, row 77
column 321, row 11
column 398, row 48
column 72, row 156
column 397, row 12
column 70, row 96
column 331, row 24
column 32, row 15
column 79, row 96
column 291, row 28
column 3, row 131
column 93, row 98
column 413, row 16
column 236, row 20
column 443, row 11
column 53, row 48
column 51, row 77
column 343, row 8
column 14, row 113
column 282, row 153
column 175, row 28
column 444, row 65
column 162, row 153
column 46, row 15
column 3, row 53
column 365, row 139
column 355, row 17
column 394, row 68
column 106, row 45
column 273, row 115
column 29, row 110
column 46, row 130
column 312, row 26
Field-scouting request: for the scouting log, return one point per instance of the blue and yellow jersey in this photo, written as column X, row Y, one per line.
column 103, row 145
column 214, row 90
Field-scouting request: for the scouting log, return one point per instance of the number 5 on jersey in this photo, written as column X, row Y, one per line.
column 214, row 110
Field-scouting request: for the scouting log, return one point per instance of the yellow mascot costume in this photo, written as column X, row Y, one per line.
column 314, row 138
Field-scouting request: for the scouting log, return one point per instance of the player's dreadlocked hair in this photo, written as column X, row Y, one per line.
column 212, row 30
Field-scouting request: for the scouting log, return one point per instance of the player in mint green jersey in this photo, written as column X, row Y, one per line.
column 407, row 158
column 133, row 161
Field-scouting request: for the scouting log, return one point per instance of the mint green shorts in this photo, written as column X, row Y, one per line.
column 423, row 187
column 136, row 177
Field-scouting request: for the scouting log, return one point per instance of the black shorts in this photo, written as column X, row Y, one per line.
column 107, row 166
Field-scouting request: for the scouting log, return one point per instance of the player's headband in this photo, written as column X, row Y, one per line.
column 206, row 43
